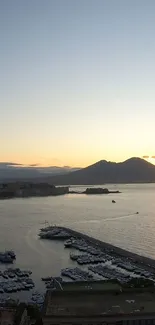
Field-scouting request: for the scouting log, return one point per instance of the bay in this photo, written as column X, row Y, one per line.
column 95, row 215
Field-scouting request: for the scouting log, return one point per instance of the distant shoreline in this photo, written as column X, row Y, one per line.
column 27, row 190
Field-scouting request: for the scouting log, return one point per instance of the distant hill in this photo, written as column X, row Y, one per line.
column 11, row 171
column 133, row 170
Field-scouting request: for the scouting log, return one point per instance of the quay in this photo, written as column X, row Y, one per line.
column 98, row 244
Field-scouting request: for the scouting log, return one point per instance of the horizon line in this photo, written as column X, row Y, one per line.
column 42, row 166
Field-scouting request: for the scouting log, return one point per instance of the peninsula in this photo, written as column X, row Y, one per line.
column 30, row 189
column 27, row 189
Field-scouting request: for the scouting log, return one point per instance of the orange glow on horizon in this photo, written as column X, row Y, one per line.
column 69, row 161
column 151, row 160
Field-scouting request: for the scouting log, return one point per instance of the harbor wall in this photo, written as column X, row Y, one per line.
column 114, row 249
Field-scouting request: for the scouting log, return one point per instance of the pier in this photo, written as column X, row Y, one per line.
column 100, row 261
column 114, row 250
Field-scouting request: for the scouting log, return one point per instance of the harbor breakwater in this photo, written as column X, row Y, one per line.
column 148, row 262
column 102, row 261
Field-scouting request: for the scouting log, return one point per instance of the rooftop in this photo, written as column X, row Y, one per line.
column 7, row 316
column 88, row 285
column 92, row 303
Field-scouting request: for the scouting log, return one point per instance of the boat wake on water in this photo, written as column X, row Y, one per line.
column 121, row 217
column 31, row 241
column 106, row 219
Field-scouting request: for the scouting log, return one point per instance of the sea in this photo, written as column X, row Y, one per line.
column 95, row 215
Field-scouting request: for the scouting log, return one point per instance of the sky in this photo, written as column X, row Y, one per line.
column 77, row 81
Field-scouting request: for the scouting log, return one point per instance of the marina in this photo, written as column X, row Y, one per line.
column 76, row 274
column 35, row 299
column 7, row 257
column 98, row 219
column 93, row 246
column 84, row 251
column 13, row 280
column 110, row 265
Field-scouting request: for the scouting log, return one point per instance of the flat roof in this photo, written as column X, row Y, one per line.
column 88, row 285
column 61, row 303
column 7, row 316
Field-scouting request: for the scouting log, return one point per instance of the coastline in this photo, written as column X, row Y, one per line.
column 45, row 190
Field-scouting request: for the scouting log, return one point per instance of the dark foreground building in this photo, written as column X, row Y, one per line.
column 15, row 315
column 95, row 307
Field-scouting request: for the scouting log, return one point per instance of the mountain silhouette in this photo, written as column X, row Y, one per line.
column 133, row 170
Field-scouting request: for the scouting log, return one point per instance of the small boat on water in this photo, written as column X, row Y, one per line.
column 68, row 243
column 48, row 278
column 11, row 254
column 113, row 201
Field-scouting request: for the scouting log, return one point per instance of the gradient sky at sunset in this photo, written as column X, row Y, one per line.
column 77, row 80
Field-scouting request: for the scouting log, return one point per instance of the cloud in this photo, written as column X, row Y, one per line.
column 6, row 164
column 145, row 157
column 153, row 157
column 34, row 165
column 10, row 163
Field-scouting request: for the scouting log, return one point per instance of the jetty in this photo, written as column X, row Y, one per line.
column 104, row 262
column 60, row 232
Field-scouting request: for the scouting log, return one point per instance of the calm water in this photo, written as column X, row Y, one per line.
column 21, row 219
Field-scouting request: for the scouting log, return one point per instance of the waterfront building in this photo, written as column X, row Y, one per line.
column 95, row 307
column 16, row 315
